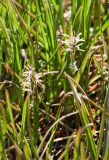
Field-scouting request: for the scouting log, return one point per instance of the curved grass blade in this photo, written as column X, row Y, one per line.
column 84, row 118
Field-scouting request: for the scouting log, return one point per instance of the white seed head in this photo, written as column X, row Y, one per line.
column 72, row 42
column 31, row 79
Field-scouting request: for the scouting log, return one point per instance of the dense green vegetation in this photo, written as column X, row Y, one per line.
column 54, row 96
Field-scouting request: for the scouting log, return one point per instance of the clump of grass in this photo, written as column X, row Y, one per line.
column 54, row 79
